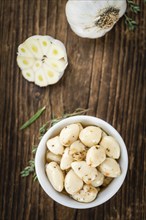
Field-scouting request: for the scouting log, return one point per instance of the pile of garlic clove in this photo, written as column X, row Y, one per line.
column 81, row 161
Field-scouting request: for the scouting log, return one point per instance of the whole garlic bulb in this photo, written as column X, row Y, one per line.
column 94, row 18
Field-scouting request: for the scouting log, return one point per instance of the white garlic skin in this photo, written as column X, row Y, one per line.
column 53, row 157
column 69, row 134
column 90, row 135
column 55, row 146
column 72, row 182
column 55, row 176
column 77, row 151
column 110, row 168
column 111, row 147
column 66, row 160
column 95, row 156
column 87, row 194
column 85, row 172
column 85, row 17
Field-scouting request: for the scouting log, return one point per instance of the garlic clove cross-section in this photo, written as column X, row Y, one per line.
column 42, row 60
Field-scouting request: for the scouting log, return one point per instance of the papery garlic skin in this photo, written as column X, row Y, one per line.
column 42, row 60
column 94, row 18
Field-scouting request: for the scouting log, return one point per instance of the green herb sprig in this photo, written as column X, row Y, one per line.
column 30, row 168
column 33, row 118
column 131, row 24
column 133, row 6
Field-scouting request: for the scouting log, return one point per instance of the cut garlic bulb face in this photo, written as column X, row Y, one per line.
column 42, row 60
column 92, row 19
column 28, row 74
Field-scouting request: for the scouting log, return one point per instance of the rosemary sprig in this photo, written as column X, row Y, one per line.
column 133, row 6
column 131, row 24
column 30, row 169
column 33, row 118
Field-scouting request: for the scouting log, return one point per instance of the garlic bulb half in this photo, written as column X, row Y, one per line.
column 42, row 59
column 93, row 18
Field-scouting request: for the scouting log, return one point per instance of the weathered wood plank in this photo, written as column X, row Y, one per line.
column 107, row 75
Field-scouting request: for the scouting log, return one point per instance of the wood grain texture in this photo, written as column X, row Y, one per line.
column 107, row 75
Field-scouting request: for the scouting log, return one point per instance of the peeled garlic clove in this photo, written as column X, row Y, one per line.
column 66, row 160
column 58, row 65
column 72, row 183
column 87, row 194
column 69, row 134
column 111, row 146
column 107, row 181
column 55, row 176
column 24, row 51
column 45, row 44
column 85, row 172
column 90, row 135
column 53, row 157
column 77, row 150
column 40, row 78
column 98, row 180
column 110, row 168
column 52, row 76
column 34, row 47
column 104, row 134
column 25, row 62
column 55, row 146
column 80, row 126
column 95, row 156
column 28, row 74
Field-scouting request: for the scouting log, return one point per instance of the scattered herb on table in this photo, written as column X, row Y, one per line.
column 133, row 7
column 30, row 169
column 33, row 118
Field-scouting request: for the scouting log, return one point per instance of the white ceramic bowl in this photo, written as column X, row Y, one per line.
column 65, row 200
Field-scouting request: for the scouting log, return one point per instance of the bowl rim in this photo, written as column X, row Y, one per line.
column 40, row 170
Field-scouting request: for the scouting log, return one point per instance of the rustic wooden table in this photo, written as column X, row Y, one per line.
column 105, row 75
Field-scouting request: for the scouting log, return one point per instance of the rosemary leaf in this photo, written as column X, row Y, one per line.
column 28, row 170
column 33, row 118
column 130, row 23
column 133, row 6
